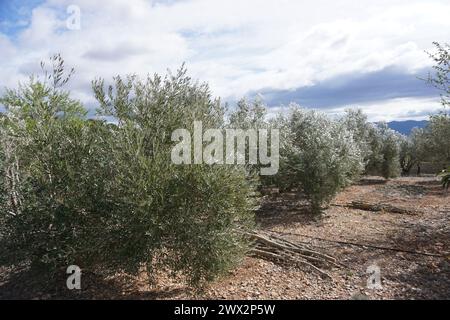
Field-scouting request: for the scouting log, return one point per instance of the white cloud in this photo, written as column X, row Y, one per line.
column 396, row 109
column 237, row 46
column 389, row 110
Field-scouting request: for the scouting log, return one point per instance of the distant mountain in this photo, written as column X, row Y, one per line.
column 405, row 127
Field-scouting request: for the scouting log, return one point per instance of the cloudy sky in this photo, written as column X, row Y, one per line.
column 321, row 54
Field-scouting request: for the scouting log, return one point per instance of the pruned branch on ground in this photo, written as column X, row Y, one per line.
column 287, row 253
column 365, row 245
column 377, row 207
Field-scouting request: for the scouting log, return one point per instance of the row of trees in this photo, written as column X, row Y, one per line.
column 320, row 155
column 106, row 195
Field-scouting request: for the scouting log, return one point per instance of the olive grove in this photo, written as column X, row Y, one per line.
column 103, row 193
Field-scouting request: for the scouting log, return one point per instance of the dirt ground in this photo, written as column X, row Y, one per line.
column 412, row 252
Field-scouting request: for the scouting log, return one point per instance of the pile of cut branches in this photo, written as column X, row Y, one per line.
column 378, row 207
column 290, row 254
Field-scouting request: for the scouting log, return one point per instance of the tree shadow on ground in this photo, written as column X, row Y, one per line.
column 431, row 182
column 369, row 181
column 285, row 209
column 425, row 283
column 157, row 294
column 424, row 277
column 26, row 284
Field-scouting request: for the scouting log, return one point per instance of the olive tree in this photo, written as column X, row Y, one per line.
column 437, row 132
column 189, row 217
column 248, row 115
column 320, row 156
column 445, row 178
column 356, row 122
column 107, row 195
column 51, row 175
column 408, row 154
column 385, row 151
column 441, row 78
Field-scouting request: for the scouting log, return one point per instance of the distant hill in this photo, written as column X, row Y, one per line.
column 405, row 127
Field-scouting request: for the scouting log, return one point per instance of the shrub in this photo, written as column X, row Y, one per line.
column 437, row 134
column 48, row 176
column 385, row 146
column 445, row 178
column 356, row 122
column 320, row 156
column 408, row 153
column 105, row 196
column 441, row 78
column 250, row 115
column 187, row 215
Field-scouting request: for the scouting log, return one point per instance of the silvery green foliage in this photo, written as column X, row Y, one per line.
column 319, row 156
column 190, row 217
column 49, row 178
column 408, row 153
column 431, row 143
column 106, row 195
column 385, row 156
column 356, row 122
column 379, row 145
column 390, row 151
column 441, row 78
column 3, row 194
column 248, row 115
column 445, row 178
column 419, row 140
column 437, row 134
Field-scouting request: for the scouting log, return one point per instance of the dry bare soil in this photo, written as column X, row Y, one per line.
column 412, row 252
